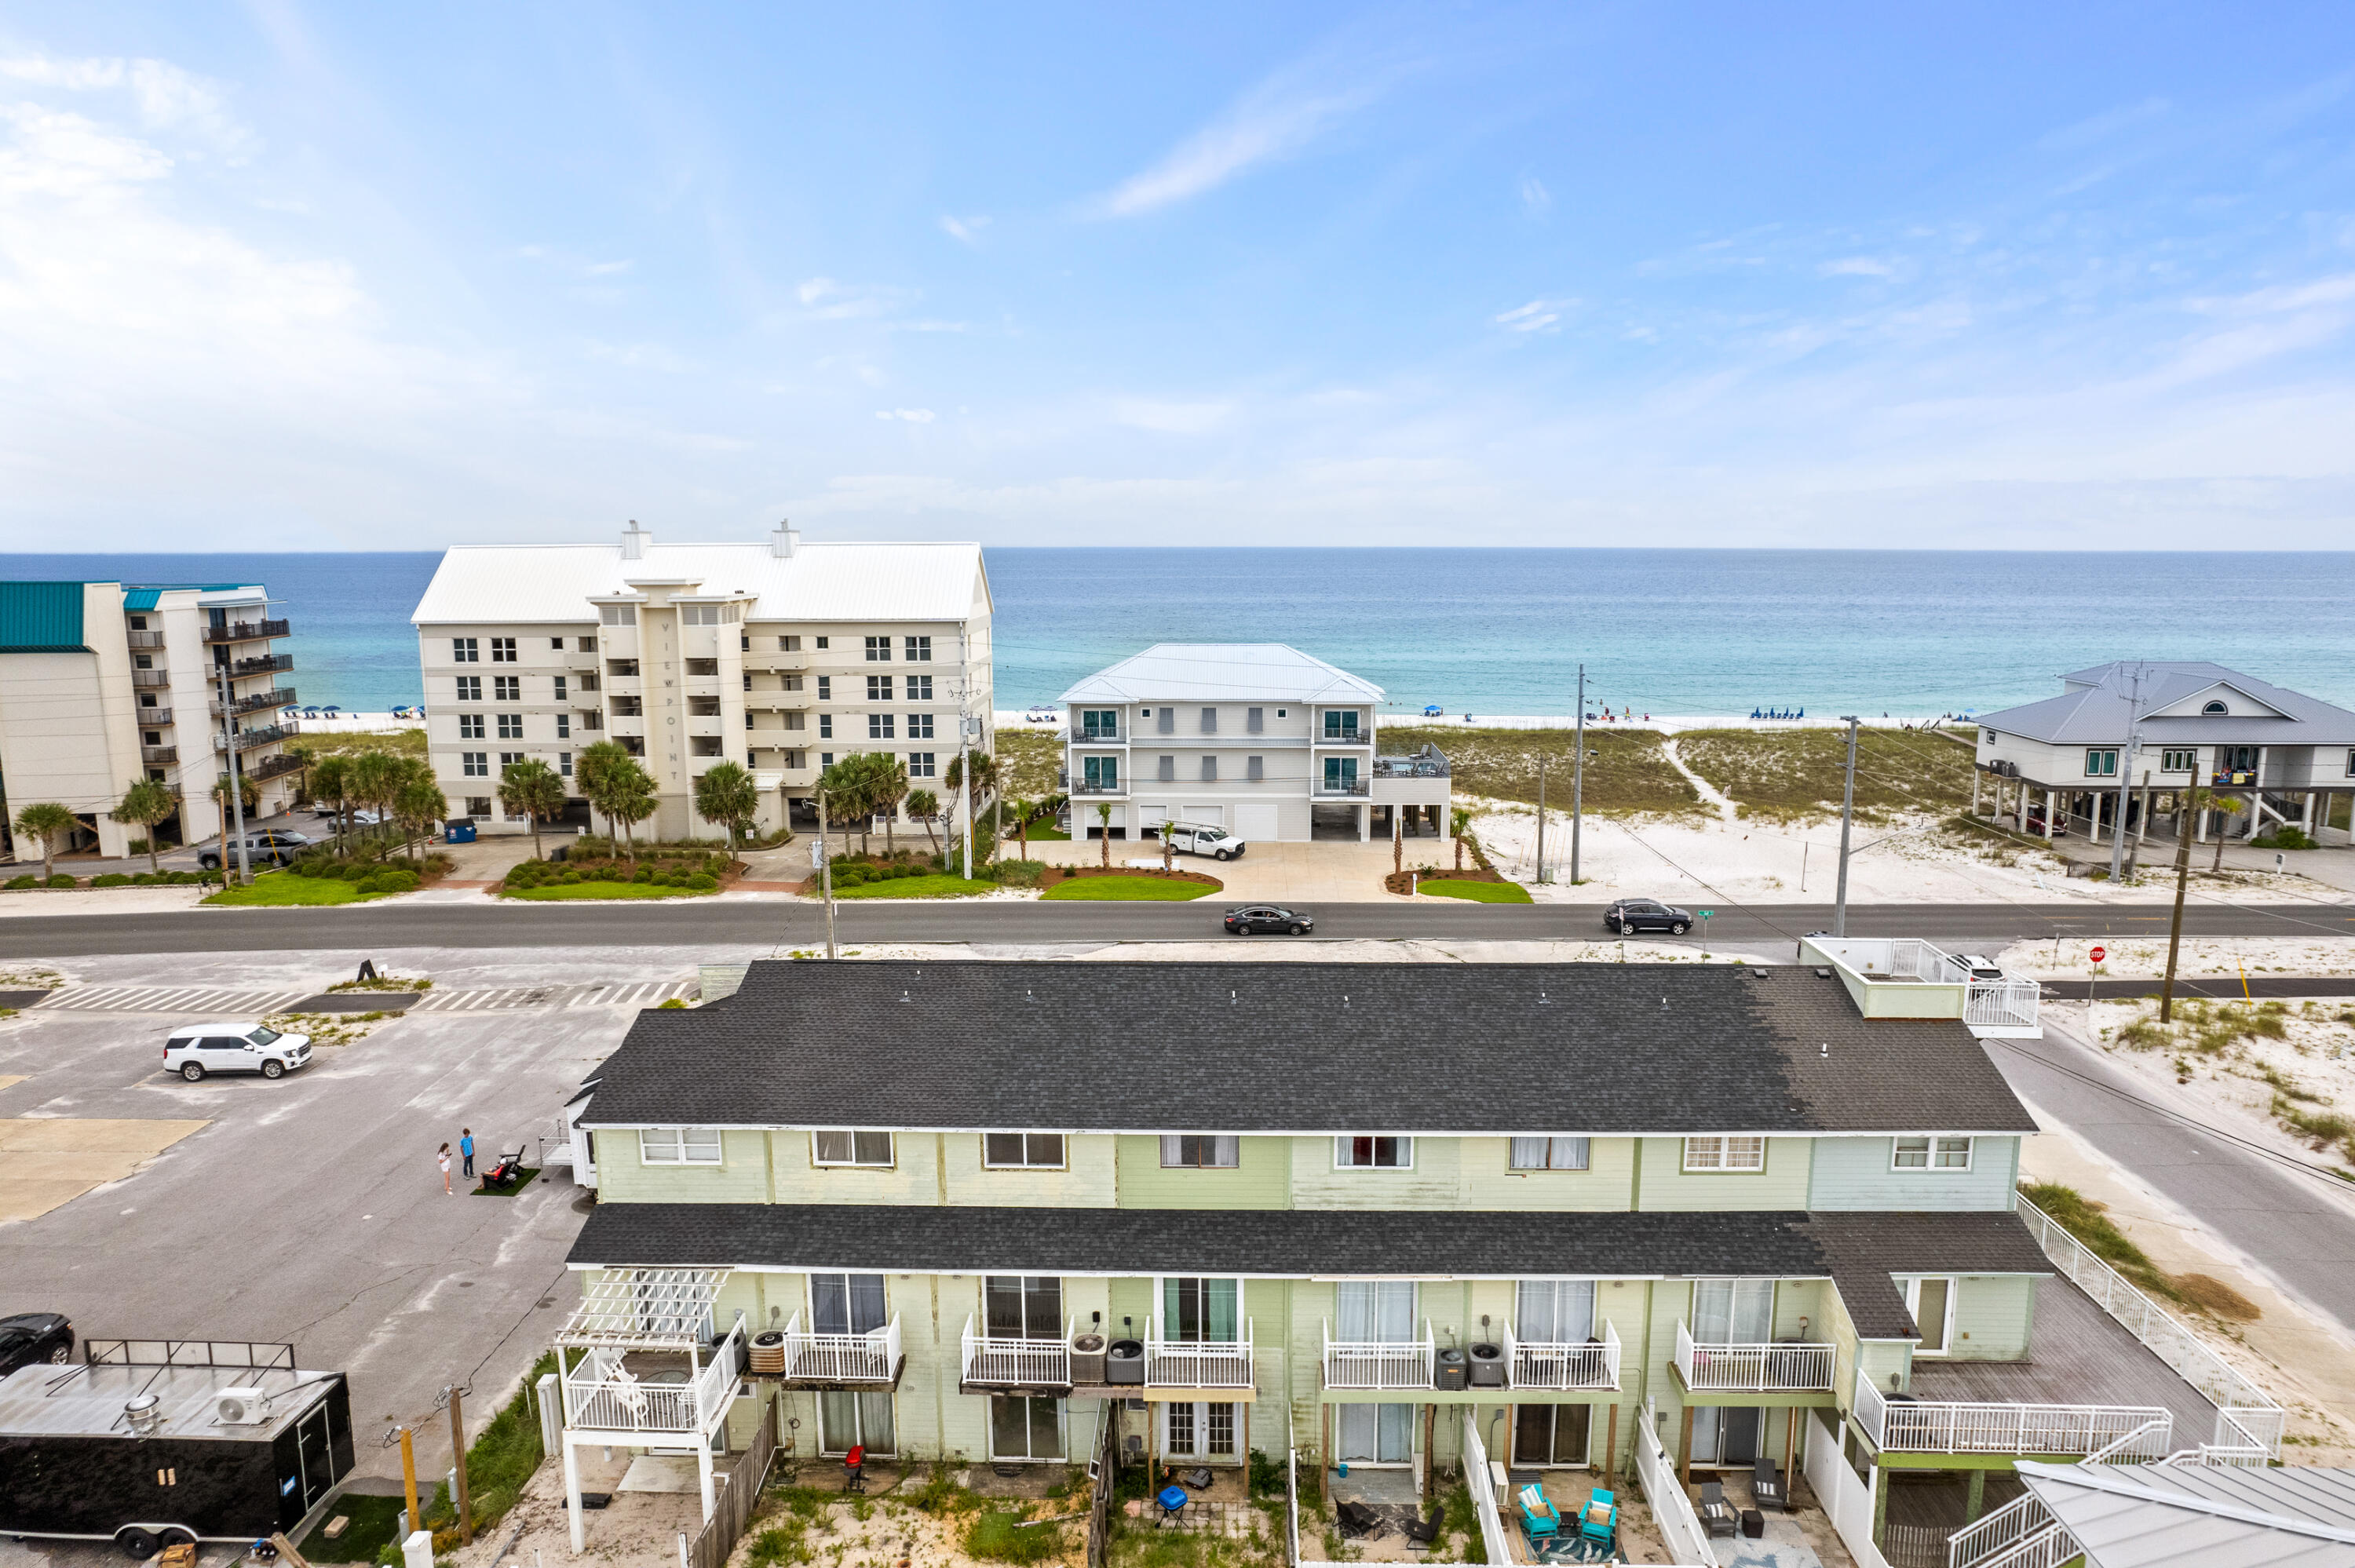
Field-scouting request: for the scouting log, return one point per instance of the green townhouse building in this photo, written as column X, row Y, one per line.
column 1400, row 1215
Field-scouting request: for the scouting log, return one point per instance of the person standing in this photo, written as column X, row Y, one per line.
column 444, row 1158
column 466, row 1150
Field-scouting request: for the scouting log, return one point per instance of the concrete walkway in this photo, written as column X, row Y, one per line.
column 1326, row 871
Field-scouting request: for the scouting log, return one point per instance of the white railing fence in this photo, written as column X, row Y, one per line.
column 2024, row 1524
column 1378, row 1364
column 1197, row 1363
column 1485, row 1502
column 1846, row 1496
column 842, row 1358
column 1924, row 1427
column 1752, row 1368
column 1672, row 1511
column 1994, row 1003
column 2247, row 1416
column 602, row 1394
column 1535, row 1363
column 1018, row 1364
column 1291, row 1502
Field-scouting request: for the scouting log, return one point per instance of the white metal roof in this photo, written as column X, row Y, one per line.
column 1222, row 672
column 644, row 1308
column 2101, row 703
column 2201, row 1516
column 490, row 584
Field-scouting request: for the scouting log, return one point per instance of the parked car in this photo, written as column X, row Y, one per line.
column 30, row 1337
column 271, row 846
column 1978, row 966
column 1251, row 919
column 1203, row 838
column 243, row 1046
column 1646, row 915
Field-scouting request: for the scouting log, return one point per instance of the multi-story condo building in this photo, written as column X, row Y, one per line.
column 2155, row 727
column 781, row 656
column 102, row 684
column 1254, row 736
column 1400, row 1216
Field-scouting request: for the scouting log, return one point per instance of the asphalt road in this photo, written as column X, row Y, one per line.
column 684, row 922
column 2300, row 1228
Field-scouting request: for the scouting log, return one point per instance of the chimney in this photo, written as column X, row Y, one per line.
column 785, row 540
column 635, row 540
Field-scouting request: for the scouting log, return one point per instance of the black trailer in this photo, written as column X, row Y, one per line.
column 150, row 1442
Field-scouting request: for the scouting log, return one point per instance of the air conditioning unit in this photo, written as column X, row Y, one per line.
column 241, row 1407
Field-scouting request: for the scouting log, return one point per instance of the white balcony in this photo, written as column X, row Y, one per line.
column 1197, row 1363
column 1539, row 1364
column 601, row 1394
column 871, row 1357
column 996, row 1361
column 1378, row 1364
column 2124, row 1432
column 1721, row 1367
column 1907, row 978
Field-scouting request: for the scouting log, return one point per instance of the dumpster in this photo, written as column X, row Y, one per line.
column 458, row 832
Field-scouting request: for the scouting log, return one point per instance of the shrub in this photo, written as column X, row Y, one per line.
column 390, row 881
column 643, row 874
column 357, row 871
column 1018, row 873
column 19, row 882
column 674, row 1001
column 2283, row 838
column 136, row 846
column 62, row 880
column 703, row 882
column 112, row 879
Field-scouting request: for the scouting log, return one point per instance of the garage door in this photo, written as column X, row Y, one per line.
column 1255, row 823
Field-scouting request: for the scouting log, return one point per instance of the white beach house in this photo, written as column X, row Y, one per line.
column 1257, row 737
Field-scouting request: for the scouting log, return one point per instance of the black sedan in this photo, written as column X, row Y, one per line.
column 30, row 1337
column 1252, row 919
column 1644, row 914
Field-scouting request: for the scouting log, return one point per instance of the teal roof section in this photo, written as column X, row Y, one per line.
column 41, row 617
column 141, row 598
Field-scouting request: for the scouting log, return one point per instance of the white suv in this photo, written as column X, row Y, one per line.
column 242, row 1046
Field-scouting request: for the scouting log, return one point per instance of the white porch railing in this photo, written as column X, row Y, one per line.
column 1994, row 1004
column 842, row 1358
column 2020, row 1534
column 1726, row 1368
column 1197, row 1363
column 603, row 1395
column 1378, row 1364
column 1922, row 1426
column 1534, row 1363
column 1018, row 1364
column 2246, row 1415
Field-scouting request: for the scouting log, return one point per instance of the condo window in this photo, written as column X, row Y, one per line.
column 1373, row 1153
column 505, row 688
column 1197, row 1310
column 564, row 764
column 879, row 726
column 1101, row 772
column 707, row 614
column 846, row 1303
column 920, row 765
column 1744, row 1152
column 478, row 805
column 833, row 1146
column 508, row 759
column 878, row 688
column 1341, row 726
column 559, row 688
column 1201, row 1152
column 879, row 650
column 503, row 650
column 703, row 666
column 474, row 764
column 919, row 649
column 919, row 688
column 826, row 727
column 2350, row 765
column 1099, row 724
column 564, row 726
column 1553, row 1311
column 2181, row 759
column 2215, row 709
column 1016, row 1150
column 618, row 614
column 2101, row 762
column 555, row 644
column 470, row 688
column 821, row 642
column 679, row 1145
column 511, row 726
column 1549, row 1154
column 1925, row 1153
column 461, row 650
column 789, row 645
column 587, row 644
column 1022, row 1307
column 826, row 688
column 1990, row 737
column 470, row 727
column 919, row 727
column 138, row 623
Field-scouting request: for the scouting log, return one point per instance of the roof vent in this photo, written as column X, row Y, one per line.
column 1544, row 1000
column 1823, row 974
column 903, row 996
column 1827, row 1051
column 783, row 540
column 145, row 1414
column 635, row 540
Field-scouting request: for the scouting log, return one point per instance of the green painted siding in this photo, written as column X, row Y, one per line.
column 741, row 1177
column 1856, row 1173
column 913, row 1176
column 1087, row 1182
column 1992, row 1315
column 1316, row 1183
column 1782, row 1185
column 1261, row 1178
column 1485, row 1181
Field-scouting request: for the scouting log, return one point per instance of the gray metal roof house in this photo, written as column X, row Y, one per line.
column 2181, row 1516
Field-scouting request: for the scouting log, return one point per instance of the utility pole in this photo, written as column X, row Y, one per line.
column 409, row 1479
column 825, row 874
column 1577, row 774
column 1847, row 814
column 2126, row 778
column 1542, row 860
column 236, row 791
column 2186, row 809
column 463, row 1501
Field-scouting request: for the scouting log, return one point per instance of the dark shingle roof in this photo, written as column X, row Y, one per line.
column 1300, row 1048
column 1857, row 1250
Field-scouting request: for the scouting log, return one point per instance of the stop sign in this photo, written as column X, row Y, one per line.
column 2098, row 954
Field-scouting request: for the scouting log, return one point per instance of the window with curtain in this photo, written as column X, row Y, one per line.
column 1023, row 1307
column 1549, row 1154
column 1373, row 1153
column 1199, row 1311
column 679, row 1145
column 1184, row 1151
column 1725, row 1153
column 1554, row 1311
column 1016, row 1149
column 1733, row 1311
column 1927, row 1153
column 846, row 1303
column 844, row 1146
column 1376, row 1311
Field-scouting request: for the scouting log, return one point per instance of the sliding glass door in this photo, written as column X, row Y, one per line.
column 1375, row 1433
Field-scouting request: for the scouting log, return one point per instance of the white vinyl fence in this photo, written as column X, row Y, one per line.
column 1494, row 1534
column 1846, row 1497
column 1672, row 1511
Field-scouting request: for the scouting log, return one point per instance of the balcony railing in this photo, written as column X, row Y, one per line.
column 1921, row 1426
column 1727, row 1368
column 1099, row 789
column 1345, row 738
column 842, row 1358
column 1534, row 1363
column 254, row 702
column 146, row 639
column 269, row 735
column 1197, row 1363
column 1018, row 1364
column 268, row 664
column 245, row 631
column 1083, row 737
column 1342, row 788
column 1378, row 1364
column 1411, row 768
column 158, row 754
column 1995, row 1004
column 151, row 678
column 2245, row 778
column 272, row 766
column 603, row 1395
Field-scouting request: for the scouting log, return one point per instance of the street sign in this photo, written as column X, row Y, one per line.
column 2098, row 954
column 1707, row 913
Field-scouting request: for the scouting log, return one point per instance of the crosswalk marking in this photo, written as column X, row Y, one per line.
column 170, row 998
column 231, row 1002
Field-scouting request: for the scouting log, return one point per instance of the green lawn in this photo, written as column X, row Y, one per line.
column 371, row 1530
column 1128, row 889
column 1044, row 833
column 1477, row 892
column 557, row 891
column 277, row 888
column 936, row 886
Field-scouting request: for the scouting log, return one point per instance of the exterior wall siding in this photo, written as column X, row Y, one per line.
column 1485, row 1180
column 1854, row 1174
column 1667, row 1185
column 1430, row 1184
column 1261, row 1178
column 1992, row 1317
column 741, row 1177
column 1088, row 1180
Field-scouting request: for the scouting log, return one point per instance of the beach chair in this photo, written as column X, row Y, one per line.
column 1425, row 1532
column 1717, row 1515
column 1767, row 1488
column 1599, row 1520
column 1540, row 1521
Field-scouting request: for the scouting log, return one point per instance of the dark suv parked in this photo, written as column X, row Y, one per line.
column 1644, row 914
column 30, row 1337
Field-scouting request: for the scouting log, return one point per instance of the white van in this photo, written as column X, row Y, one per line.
column 1203, row 838
column 244, row 1045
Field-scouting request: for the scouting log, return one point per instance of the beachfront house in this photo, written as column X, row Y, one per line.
column 1639, row 1225
column 1256, row 737
column 2157, row 728
column 780, row 656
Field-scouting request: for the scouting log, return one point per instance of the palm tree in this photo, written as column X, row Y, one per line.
column 1022, row 810
column 855, row 788
column 629, row 798
column 331, row 784
column 417, row 805
column 376, row 781
column 924, row 806
column 591, row 775
column 1104, row 817
column 1459, row 823
column 890, row 777
column 145, row 804
column 249, row 793
column 531, row 789
column 48, row 821
column 727, row 794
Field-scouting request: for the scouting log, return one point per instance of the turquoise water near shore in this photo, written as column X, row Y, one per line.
column 1502, row 631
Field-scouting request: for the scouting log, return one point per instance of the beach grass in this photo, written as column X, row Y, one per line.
column 1628, row 774
column 936, row 886
column 1128, row 889
column 559, row 892
column 1028, row 760
column 1795, row 775
column 1477, row 892
column 351, row 743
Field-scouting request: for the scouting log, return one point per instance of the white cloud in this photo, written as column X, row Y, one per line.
column 166, row 97
column 1857, row 267
column 912, row 416
column 1538, row 315
column 579, row 265
column 1170, row 418
column 1535, row 199
column 968, row 229
column 1276, row 120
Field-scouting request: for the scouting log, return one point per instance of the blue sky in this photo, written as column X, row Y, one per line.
column 277, row 275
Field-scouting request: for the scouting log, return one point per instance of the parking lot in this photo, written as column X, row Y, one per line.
column 309, row 1210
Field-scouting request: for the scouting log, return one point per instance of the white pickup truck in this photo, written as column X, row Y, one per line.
column 1203, row 838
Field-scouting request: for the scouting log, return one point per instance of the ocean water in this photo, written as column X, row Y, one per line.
column 1502, row 631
